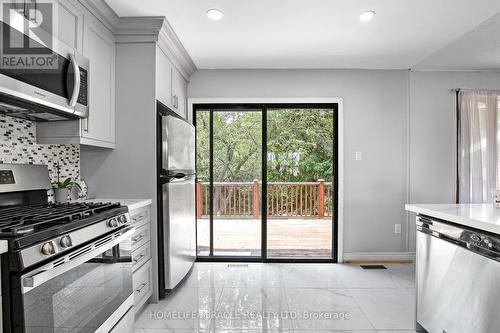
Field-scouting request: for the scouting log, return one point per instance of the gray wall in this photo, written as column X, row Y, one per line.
column 402, row 121
column 375, row 120
column 129, row 171
column 433, row 133
column 382, row 110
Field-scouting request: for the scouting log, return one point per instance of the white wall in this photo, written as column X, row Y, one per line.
column 375, row 120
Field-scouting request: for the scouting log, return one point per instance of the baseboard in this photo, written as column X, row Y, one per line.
column 381, row 257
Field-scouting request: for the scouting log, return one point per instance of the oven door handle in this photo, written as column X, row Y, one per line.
column 48, row 272
column 76, row 85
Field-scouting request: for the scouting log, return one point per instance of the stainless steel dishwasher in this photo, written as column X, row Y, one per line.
column 458, row 278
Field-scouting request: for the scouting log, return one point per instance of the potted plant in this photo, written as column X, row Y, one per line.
column 61, row 189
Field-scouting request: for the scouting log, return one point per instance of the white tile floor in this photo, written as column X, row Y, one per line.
column 222, row 297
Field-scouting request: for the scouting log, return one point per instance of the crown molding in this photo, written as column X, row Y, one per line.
column 170, row 43
column 103, row 12
column 156, row 29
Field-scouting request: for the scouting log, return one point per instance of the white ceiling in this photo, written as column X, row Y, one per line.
column 328, row 33
column 478, row 49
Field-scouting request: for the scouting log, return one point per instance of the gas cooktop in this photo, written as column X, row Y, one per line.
column 38, row 231
column 25, row 225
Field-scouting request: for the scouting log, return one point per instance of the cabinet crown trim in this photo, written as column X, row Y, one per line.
column 103, row 12
column 156, row 29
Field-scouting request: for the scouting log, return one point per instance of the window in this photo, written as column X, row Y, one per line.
column 478, row 145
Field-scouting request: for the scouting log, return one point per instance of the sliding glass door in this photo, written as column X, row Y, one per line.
column 229, row 172
column 237, row 170
column 266, row 182
column 300, row 168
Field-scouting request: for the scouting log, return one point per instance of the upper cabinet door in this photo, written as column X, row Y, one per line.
column 163, row 78
column 99, row 48
column 69, row 29
column 179, row 87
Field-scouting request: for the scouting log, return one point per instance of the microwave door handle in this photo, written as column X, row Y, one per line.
column 76, row 85
column 35, row 280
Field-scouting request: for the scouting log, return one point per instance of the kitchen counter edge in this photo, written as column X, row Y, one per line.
column 4, row 246
column 132, row 204
column 484, row 217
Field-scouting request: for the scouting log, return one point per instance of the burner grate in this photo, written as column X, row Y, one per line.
column 21, row 220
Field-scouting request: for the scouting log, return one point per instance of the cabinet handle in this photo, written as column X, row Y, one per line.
column 141, row 287
column 135, row 219
column 139, row 258
column 138, row 238
column 86, row 125
column 175, row 101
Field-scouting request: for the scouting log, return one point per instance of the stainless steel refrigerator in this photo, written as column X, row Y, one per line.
column 176, row 198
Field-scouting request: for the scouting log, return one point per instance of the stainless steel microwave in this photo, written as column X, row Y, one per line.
column 41, row 83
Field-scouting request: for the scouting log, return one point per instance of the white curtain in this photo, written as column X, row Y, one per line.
column 477, row 145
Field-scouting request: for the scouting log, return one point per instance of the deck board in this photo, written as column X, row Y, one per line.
column 285, row 237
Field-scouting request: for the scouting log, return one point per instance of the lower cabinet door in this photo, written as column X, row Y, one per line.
column 126, row 324
column 143, row 284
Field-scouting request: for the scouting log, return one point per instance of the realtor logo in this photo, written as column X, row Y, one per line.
column 27, row 39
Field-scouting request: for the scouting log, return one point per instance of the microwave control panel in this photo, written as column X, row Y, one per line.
column 83, row 94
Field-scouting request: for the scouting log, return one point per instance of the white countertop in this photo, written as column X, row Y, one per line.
column 132, row 204
column 480, row 216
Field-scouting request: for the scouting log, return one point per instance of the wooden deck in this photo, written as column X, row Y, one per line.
column 290, row 238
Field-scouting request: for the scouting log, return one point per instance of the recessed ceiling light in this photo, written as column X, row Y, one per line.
column 214, row 14
column 366, row 16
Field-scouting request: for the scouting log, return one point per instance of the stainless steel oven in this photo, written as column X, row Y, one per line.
column 87, row 290
column 42, row 83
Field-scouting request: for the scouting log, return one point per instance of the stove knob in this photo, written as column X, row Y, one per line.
column 113, row 223
column 122, row 219
column 475, row 238
column 65, row 241
column 48, row 248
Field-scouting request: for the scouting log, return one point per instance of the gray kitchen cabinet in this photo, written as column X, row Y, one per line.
column 179, row 87
column 98, row 45
column 164, row 70
column 70, row 24
column 142, row 263
column 99, row 48
column 68, row 27
column 171, row 87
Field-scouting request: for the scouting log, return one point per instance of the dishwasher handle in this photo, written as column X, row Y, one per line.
column 432, row 228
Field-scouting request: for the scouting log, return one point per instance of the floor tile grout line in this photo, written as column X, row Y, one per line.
column 363, row 311
column 288, row 309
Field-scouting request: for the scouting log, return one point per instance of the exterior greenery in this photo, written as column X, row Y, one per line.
column 299, row 145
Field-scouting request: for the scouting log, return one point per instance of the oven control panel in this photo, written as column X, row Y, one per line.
column 7, row 177
column 62, row 243
column 118, row 221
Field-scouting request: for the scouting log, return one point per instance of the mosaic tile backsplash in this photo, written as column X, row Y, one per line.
column 18, row 145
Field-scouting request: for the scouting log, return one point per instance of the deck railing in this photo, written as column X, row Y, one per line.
column 284, row 199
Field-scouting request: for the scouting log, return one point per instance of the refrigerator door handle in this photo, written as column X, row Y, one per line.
column 178, row 175
column 173, row 177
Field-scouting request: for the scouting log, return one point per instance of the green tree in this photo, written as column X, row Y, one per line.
column 299, row 145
